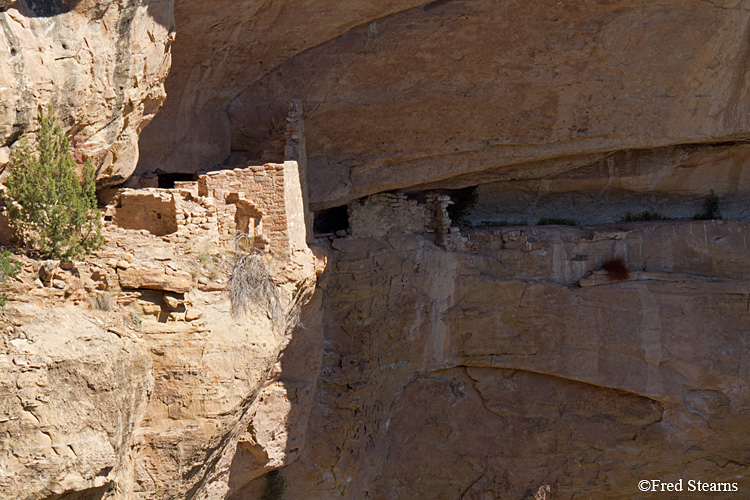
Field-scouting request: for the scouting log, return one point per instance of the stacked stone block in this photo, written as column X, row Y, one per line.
column 388, row 213
column 448, row 235
column 253, row 200
column 296, row 151
column 257, row 190
column 394, row 213
column 152, row 209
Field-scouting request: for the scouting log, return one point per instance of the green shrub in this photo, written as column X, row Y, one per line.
column 275, row 486
column 711, row 208
column 51, row 209
column 502, row 223
column 9, row 268
column 464, row 201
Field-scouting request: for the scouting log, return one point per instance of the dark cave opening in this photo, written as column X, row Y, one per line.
column 331, row 220
column 166, row 181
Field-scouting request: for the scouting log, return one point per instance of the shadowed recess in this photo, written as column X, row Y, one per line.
column 44, row 8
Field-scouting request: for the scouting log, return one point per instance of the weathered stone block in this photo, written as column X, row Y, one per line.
column 155, row 279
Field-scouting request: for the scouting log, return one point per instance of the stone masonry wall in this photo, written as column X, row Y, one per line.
column 296, row 150
column 389, row 213
column 258, row 192
column 252, row 200
column 266, row 202
column 394, row 213
column 152, row 209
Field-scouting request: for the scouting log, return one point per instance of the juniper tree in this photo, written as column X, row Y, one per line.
column 49, row 206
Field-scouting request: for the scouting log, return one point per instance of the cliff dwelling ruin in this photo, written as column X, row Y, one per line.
column 501, row 248
column 263, row 202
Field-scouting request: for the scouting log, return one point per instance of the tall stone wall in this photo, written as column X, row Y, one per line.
column 262, row 189
column 296, row 150
column 265, row 202
column 395, row 213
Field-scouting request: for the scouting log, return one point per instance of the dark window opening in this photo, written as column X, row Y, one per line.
column 420, row 196
column 331, row 220
column 166, row 181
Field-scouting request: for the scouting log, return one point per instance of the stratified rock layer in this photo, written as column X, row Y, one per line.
column 101, row 65
column 152, row 392
column 71, row 397
column 509, row 367
column 225, row 46
column 426, row 94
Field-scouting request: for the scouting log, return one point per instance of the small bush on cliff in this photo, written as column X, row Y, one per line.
column 106, row 301
column 556, row 222
column 711, row 208
column 49, row 206
column 9, row 268
column 645, row 216
column 464, row 201
column 251, row 283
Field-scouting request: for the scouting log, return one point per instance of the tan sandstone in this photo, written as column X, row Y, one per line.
column 489, row 372
column 101, row 65
column 474, row 88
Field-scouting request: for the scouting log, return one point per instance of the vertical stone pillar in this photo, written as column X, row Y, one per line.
column 442, row 221
column 295, row 150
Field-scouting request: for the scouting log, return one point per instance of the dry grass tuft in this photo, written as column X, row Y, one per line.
column 251, row 285
column 207, row 262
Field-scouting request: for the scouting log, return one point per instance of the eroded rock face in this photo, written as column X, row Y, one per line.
column 204, row 384
column 71, row 398
column 222, row 48
column 101, row 65
column 158, row 391
column 465, row 87
column 491, row 373
column 673, row 182
column 524, row 371
column 272, row 432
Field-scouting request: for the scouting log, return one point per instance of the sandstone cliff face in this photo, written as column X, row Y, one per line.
column 71, row 398
column 509, row 367
column 101, row 64
column 505, row 364
column 445, row 89
column 167, row 395
column 154, row 386
column 221, row 49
